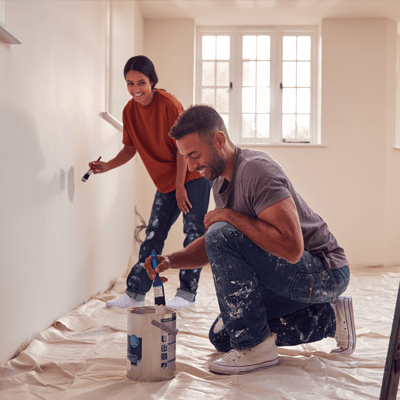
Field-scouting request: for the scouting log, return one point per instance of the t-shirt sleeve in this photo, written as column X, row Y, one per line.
column 173, row 109
column 126, row 139
column 266, row 184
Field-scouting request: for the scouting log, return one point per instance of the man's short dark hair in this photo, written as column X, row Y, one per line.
column 201, row 119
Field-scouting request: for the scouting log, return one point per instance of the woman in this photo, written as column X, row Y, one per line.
column 148, row 118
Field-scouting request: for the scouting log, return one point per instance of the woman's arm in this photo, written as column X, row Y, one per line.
column 181, row 195
column 121, row 158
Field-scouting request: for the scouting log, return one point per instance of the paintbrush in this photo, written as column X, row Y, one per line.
column 90, row 172
column 158, row 287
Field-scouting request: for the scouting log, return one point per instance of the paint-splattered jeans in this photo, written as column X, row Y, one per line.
column 259, row 293
column 164, row 213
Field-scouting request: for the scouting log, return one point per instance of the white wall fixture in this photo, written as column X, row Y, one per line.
column 7, row 36
column 106, row 114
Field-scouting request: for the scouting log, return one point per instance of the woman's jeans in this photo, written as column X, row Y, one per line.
column 259, row 293
column 164, row 213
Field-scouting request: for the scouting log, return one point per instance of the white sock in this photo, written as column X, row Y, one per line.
column 125, row 301
column 179, row 302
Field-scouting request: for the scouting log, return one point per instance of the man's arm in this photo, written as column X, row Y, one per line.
column 192, row 256
column 277, row 229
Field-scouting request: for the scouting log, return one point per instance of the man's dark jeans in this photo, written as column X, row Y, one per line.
column 259, row 293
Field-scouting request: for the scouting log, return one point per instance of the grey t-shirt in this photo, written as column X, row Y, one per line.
column 257, row 183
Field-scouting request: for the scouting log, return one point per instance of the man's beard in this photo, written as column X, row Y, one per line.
column 216, row 166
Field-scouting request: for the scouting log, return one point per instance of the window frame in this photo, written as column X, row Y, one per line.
column 235, row 69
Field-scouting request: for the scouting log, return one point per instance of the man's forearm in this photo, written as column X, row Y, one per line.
column 285, row 242
column 192, row 256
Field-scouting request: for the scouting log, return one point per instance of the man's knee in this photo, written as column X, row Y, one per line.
column 220, row 231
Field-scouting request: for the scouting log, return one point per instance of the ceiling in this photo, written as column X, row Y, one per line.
column 271, row 12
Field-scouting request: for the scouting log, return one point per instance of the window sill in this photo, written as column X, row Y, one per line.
column 301, row 145
column 7, row 36
column 112, row 120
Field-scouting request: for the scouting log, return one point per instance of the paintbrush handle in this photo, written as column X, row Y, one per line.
column 158, row 287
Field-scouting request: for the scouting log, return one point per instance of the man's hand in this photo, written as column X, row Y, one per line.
column 163, row 265
column 218, row 215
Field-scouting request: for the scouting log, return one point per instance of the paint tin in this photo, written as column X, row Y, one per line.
column 151, row 344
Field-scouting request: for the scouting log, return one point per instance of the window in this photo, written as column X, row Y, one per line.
column 215, row 74
column 261, row 81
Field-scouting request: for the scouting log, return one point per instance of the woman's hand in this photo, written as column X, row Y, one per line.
column 163, row 264
column 182, row 199
column 98, row 167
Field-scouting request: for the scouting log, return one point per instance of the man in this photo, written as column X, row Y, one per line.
column 278, row 270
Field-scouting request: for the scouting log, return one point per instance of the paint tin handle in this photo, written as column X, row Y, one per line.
column 164, row 327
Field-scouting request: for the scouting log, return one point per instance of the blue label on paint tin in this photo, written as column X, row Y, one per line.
column 134, row 349
column 134, row 341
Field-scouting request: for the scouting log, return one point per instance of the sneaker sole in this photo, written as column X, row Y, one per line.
column 109, row 304
column 244, row 369
column 348, row 309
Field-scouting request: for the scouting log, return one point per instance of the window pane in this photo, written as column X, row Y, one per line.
column 222, row 100
column 222, row 73
column 249, row 73
column 263, row 100
column 303, row 74
column 289, row 47
column 248, row 100
column 289, row 101
column 208, row 73
column 248, row 125
column 208, row 48
column 263, row 73
column 304, row 47
column 303, row 126
column 249, row 47
column 208, row 97
column 289, row 74
column 303, row 101
column 289, row 126
column 223, row 47
column 263, row 126
column 263, row 47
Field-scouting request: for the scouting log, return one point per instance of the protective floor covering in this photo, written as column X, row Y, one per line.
column 83, row 355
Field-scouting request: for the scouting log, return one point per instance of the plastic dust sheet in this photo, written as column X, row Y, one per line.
column 83, row 354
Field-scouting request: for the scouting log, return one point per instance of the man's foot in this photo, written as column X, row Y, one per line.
column 179, row 302
column 125, row 301
column 240, row 361
column 345, row 334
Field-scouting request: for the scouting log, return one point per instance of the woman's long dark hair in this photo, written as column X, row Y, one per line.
column 144, row 65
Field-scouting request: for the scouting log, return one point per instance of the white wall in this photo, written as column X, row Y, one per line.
column 127, row 28
column 3, row 11
column 352, row 180
column 61, row 240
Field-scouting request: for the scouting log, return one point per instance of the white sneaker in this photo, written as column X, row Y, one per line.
column 240, row 361
column 179, row 302
column 345, row 334
column 125, row 301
